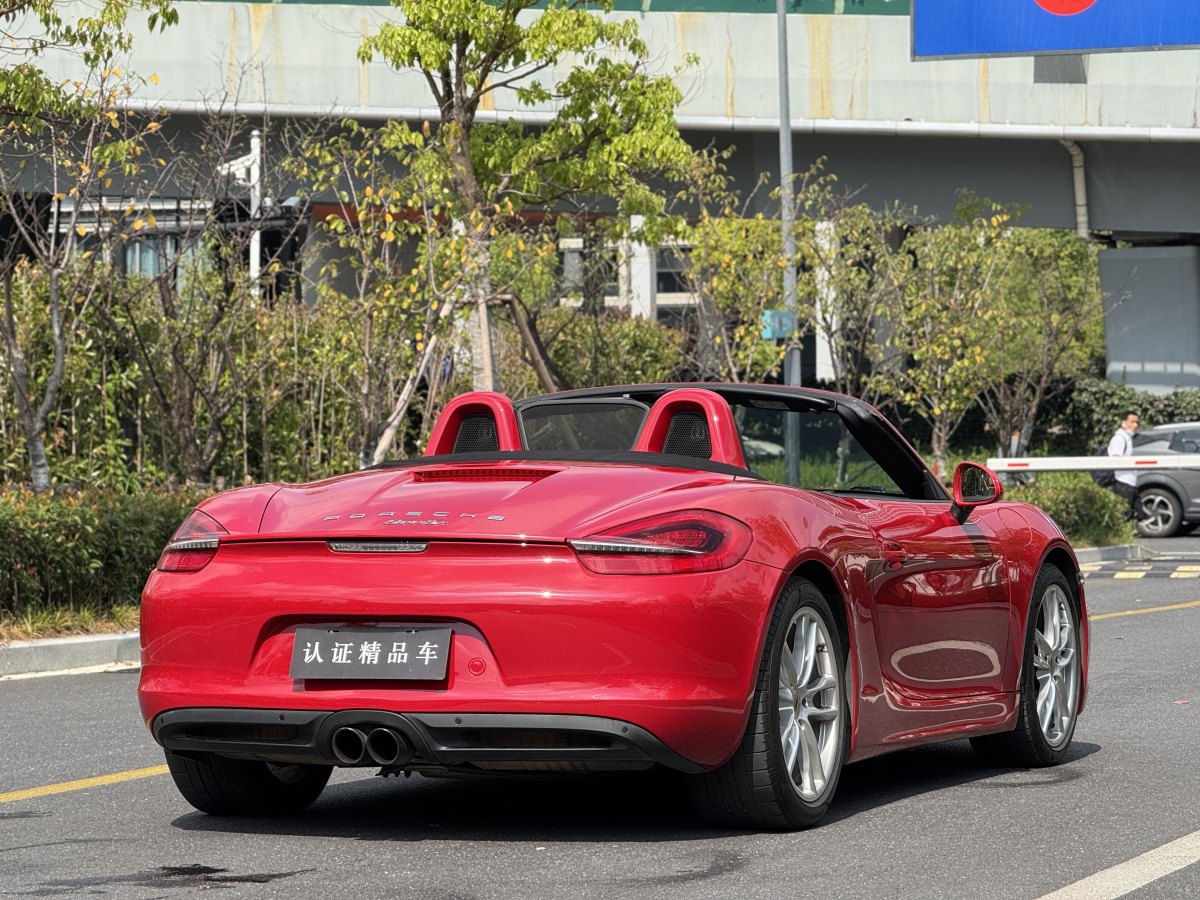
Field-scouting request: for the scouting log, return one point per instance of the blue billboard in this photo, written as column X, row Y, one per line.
column 952, row 28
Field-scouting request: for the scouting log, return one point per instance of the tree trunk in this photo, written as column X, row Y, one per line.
column 533, row 346
column 39, row 464
column 400, row 410
column 940, row 439
column 843, row 456
column 33, row 420
column 35, row 445
column 479, row 325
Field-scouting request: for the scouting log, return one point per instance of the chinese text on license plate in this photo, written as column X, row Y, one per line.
column 365, row 653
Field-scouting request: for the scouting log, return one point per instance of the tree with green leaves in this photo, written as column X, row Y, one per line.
column 951, row 318
column 95, row 33
column 734, row 269
column 1053, row 326
column 397, row 272
column 856, row 271
column 213, row 343
column 65, row 142
column 611, row 131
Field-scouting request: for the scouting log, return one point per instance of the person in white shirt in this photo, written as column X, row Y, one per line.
column 1122, row 445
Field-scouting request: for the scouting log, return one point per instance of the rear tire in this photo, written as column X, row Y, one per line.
column 785, row 771
column 221, row 786
column 1051, row 678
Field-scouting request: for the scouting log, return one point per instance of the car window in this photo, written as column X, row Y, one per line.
column 1187, row 441
column 830, row 458
column 582, row 424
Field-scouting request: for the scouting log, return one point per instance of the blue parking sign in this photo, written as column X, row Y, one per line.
column 778, row 324
column 971, row 28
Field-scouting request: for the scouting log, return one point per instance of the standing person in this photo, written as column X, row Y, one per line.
column 1122, row 445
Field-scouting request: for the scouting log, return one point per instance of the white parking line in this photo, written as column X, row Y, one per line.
column 1136, row 873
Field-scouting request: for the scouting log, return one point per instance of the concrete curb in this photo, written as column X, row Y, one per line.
column 1109, row 554
column 58, row 654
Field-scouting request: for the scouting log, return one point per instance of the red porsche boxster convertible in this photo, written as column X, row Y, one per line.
column 750, row 584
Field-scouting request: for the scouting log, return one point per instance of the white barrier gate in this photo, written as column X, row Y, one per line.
column 1093, row 463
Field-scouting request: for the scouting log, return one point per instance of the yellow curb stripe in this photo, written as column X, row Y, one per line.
column 1150, row 609
column 1187, row 568
column 1129, row 575
column 98, row 781
column 1185, row 574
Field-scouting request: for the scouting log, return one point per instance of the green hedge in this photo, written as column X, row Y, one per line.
column 1091, row 516
column 89, row 549
column 1094, row 408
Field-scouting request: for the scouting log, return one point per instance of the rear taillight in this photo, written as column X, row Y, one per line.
column 194, row 544
column 689, row 541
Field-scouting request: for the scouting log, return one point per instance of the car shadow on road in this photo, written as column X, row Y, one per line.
column 875, row 783
column 639, row 807
column 649, row 806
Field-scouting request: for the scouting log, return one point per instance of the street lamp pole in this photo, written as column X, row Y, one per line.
column 787, row 213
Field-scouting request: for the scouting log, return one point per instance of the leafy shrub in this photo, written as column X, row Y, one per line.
column 1089, row 515
column 82, row 550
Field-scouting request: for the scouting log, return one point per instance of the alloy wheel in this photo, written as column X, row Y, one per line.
column 809, row 704
column 1056, row 666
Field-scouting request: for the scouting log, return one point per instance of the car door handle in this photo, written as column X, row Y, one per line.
column 894, row 555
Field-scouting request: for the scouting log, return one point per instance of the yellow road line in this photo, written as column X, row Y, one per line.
column 83, row 783
column 1137, row 612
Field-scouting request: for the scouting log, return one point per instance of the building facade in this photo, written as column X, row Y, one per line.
column 1107, row 144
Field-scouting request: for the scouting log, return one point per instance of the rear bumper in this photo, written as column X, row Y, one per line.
column 483, row 741
column 533, row 634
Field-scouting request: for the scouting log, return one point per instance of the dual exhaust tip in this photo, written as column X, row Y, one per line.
column 380, row 746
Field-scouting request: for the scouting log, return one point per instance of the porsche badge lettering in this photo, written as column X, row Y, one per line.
column 413, row 518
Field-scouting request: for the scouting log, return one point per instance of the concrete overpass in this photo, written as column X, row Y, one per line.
column 1107, row 143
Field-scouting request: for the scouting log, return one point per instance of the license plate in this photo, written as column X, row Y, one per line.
column 396, row 654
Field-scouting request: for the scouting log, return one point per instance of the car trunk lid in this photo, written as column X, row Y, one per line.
column 505, row 500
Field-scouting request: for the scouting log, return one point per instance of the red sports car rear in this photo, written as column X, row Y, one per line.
column 607, row 580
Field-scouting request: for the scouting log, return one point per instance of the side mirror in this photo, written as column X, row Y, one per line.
column 974, row 485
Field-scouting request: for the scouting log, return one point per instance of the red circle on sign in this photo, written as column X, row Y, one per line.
column 1064, row 7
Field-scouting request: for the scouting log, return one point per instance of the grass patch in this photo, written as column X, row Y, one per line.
column 46, row 621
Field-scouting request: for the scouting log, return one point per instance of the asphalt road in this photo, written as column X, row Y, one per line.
column 927, row 823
